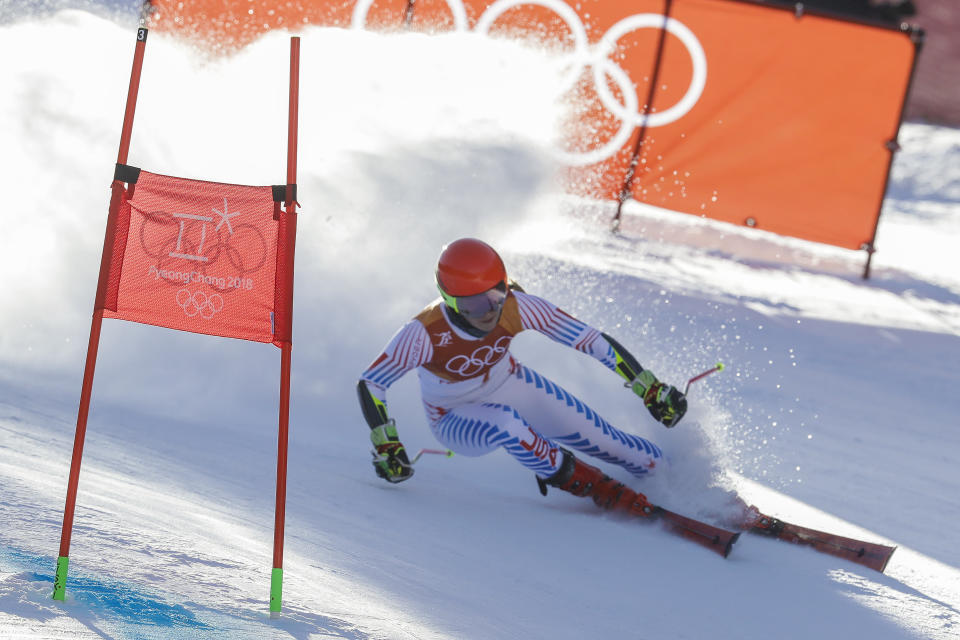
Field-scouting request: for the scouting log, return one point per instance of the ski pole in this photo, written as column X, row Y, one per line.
column 715, row 368
column 440, row 452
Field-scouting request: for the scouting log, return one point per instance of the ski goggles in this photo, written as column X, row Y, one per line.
column 479, row 305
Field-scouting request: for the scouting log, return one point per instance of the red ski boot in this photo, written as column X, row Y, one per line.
column 581, row 479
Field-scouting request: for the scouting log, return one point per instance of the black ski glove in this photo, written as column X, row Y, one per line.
column 664, row 402
column 390, row 459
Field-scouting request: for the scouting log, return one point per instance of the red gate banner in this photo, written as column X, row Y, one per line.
column 196, row 256
column 737, row 110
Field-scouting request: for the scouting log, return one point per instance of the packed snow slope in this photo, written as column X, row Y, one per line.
column 838, row 407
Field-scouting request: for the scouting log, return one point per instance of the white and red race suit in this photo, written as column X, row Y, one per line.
column 478, row 397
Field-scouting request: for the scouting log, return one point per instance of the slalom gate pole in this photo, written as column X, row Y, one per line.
column 631, row 173
column 289, row 240
column 63, row 560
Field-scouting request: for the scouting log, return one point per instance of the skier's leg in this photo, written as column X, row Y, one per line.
column 568, row 421
column 477, row 429
column 582, row 479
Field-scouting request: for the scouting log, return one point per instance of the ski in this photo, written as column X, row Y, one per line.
column 713, row 538
column 868, row 554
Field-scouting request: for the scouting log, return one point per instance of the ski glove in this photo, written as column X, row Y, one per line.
column 390, row 459
column 664, row 402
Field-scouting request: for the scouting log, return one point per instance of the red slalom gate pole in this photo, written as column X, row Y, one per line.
column 290, row 236
column 86, row 389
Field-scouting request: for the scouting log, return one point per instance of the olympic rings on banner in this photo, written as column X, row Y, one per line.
column 598, row 60
column 584, row 158
column 608, row 45
column 199, row 303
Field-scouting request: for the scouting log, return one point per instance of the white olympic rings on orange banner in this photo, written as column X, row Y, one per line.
column 199, row 303
column 598, row 60
column 608, row 45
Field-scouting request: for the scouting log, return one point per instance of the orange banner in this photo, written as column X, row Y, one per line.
column 744, row 112
column 196, row 256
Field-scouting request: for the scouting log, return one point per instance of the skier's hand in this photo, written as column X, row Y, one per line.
column 390, row 459
column 664, row 402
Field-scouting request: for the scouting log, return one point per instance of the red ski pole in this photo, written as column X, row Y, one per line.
column 714, row 369
column 439, row 452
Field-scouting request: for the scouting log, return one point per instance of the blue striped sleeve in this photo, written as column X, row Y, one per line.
column 546, row 318
column 408, row 349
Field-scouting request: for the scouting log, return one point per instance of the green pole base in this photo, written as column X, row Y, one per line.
column 60, row 579
column 276, row 592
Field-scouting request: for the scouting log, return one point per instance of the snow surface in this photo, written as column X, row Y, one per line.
column 838, row 408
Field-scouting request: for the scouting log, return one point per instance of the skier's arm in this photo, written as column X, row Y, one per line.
column 626, row 365
column 665, row 403
column 373, row 406
column 558, row 325
column 390, row 460
column 407, row 350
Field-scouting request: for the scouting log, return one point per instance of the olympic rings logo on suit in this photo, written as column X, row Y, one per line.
column 199, row 303
column 597, row 59
column 480, row 359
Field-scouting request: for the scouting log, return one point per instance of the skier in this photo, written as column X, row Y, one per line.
column 478, row 397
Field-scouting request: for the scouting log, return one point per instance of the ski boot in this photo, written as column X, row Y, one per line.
column 584, row 480
column 758, row 522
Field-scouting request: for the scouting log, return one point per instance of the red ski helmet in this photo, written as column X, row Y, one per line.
column 469, row 266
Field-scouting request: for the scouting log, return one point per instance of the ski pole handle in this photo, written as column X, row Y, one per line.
column 714, row 369
column 440, row 452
